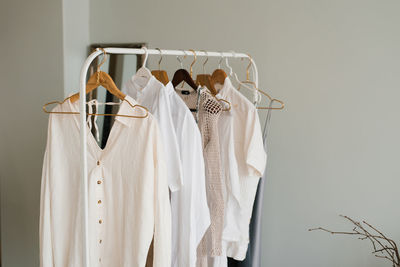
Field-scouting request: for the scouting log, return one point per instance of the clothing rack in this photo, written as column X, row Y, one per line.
column 82, row 109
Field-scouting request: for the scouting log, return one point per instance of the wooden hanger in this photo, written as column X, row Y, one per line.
column 204, row 79
column 248, row 81
column 159, row 74
column 217, row 77
column 183, row 75
column 99, row 78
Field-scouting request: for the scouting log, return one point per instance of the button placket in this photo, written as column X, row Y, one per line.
column 99, row 203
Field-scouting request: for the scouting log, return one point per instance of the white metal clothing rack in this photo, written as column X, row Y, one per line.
column 82, row 109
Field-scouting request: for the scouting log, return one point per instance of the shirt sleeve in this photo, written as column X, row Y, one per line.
column 201, row 218
column 255, row 155
column 45, row 224
column 163, row 114
column 199, row 212
column 162, row 210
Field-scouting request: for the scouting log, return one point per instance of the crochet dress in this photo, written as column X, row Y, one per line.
column 209, row 111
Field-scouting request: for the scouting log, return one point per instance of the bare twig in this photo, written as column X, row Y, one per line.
column 383, row 247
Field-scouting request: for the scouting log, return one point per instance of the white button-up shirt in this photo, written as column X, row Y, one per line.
column 127, row 190
column 190, row 213
column 151, row 94
column 243, row 161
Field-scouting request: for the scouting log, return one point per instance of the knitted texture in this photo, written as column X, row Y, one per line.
column 190, row 98
column 208, row 112
column 208, row 115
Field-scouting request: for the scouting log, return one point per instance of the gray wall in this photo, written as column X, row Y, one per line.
column 31, row 73
column 335, row 148
column 75, row 41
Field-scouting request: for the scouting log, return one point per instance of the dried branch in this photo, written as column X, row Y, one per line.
column 391, row 241
column 374, row 239
column 383, row 247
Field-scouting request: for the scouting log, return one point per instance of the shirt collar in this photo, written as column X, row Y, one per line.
column 137, row 85
column 225, row 88
column 169, row 88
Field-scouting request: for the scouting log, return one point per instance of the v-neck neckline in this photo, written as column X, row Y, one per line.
column 91, row 141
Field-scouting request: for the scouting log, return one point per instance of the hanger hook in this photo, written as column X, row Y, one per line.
column 180, row 60
column 220, row 61
column 227, row 63
column 161, row 57
column 194, row 61
column 248, row 67
column 205, row 61
column 103, row 60
column 146, row 55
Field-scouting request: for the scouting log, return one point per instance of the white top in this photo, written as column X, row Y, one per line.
column 190, row 213
column 243, row 160
column 127, row 190
column 149, row 92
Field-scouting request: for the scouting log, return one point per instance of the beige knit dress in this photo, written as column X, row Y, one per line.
column 209, row 110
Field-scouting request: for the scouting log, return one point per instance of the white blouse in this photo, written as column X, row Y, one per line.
column 150, row 93
column 190, row 213
column 243, row 161
column 128, row 193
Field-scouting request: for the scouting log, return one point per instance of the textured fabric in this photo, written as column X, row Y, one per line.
column 150, row 93
column 190, row 212
column 243, row 162
column 253, row 256
column 127, row 191
column 209, row 111
column 208, row 114
column 190, row 97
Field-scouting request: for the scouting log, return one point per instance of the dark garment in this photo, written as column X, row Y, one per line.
column 253, row 256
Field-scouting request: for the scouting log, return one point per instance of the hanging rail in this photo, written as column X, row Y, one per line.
column 82, row 109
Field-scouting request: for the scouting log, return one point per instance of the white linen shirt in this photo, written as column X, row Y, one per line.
column 127, row 190
column 190, row 213
column 151, row 94
column 243, row 161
